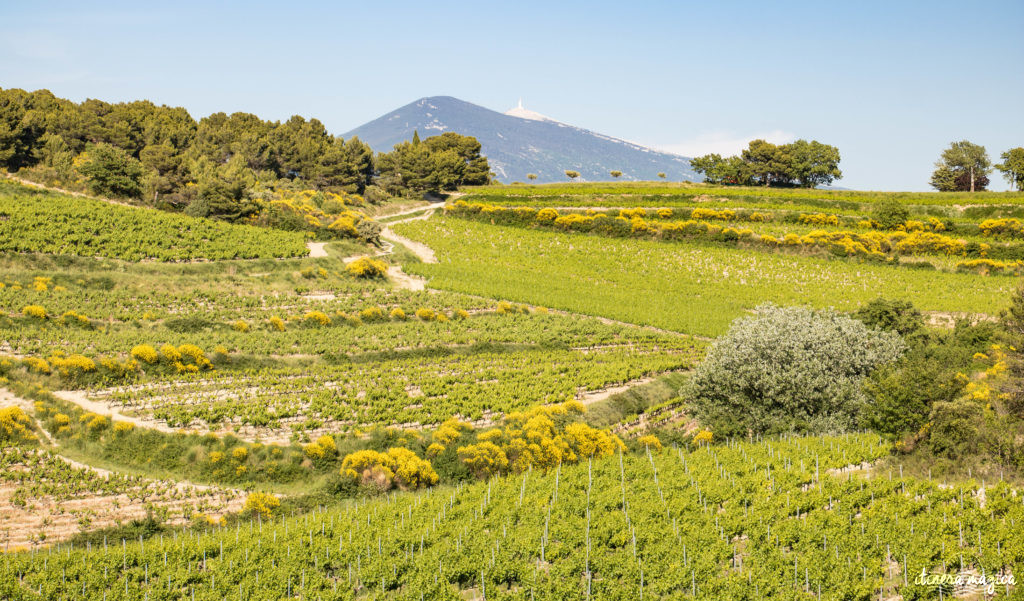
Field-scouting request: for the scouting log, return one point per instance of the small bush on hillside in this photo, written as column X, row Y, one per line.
column 890, row 214
column 789, row 369
column 893, row 315
column 365, row 267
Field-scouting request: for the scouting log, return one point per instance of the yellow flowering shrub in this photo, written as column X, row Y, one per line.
column 193, row 352
column 818, row 219
column 483, row 459
column 121, row 427
column 651, row 442
column 15, row 425
column 426, row 314
column 261, row 504
column 75, row 318
column 317, row 317
column 277, row 324
column 72, row 366
column 398, row 313
column 371, row 314
column 240, row 453
column 169, row 353
column 240, row 326
column 216, row 457
column 703, row 438
column 398, row 466
column 34, row 311
column 365, row 267
column 37, row 365
column 449, row 430
column 547, row 215
column 314, row 451
column 145, row 353
column 327, row 443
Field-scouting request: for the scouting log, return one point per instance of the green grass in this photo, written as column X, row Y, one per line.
column 687, row 287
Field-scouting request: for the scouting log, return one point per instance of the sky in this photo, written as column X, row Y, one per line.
column 889, row 83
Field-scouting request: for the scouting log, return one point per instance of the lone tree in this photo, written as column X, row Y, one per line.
column 572, row 174
column 616, row 174
column 531, row 176
column 963, row 167
column 1012, row 167
column 661, row 174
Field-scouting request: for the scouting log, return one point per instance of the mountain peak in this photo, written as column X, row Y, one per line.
column 522, row 142
column 525, row 113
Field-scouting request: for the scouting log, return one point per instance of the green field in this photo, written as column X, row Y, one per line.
column 692, row 288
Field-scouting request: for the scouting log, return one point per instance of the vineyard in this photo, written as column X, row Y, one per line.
column 687, row 287
column 45, row 222
column 782, row 518
column 47, row 498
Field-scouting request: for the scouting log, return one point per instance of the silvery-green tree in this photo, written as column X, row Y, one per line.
column 788, row 369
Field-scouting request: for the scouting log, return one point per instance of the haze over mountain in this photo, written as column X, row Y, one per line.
column 522, row 141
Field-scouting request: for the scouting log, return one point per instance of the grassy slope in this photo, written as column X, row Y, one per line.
column 685, row 287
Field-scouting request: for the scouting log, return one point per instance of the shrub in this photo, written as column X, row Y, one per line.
column 317, row 318
column 397, row 466
column 34, row 311
column 890, row 214
column 484, row 459
column 426, row 314
column 398, row 313
column 170, row 354
column 371, row 314
column 650, row 441
column 145, row 353
column 789, row 369
column 547, row 215
column 365, row 267
column 240, row 326
column 893, row 315
column 15, row 425
column 261, row 504
column 703, row 438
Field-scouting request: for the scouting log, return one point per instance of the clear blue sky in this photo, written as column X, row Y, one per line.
column 890, row 83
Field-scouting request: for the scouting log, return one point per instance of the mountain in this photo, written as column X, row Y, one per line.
column 522, row 141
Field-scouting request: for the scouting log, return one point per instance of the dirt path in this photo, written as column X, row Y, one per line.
column 317, row 249
column 422, row 251
column 33, row 184
column 81, row 398
column 405, row 281
column 595, row 396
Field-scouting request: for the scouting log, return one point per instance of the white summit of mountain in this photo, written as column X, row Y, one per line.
column 525, row 113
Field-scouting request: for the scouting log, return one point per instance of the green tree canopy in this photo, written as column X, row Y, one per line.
column 963, row 167
column 111, row 171
column 802, row 163
column 788, row 369
column 1012, row 167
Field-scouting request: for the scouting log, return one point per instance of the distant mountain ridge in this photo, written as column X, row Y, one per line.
column 523, row 141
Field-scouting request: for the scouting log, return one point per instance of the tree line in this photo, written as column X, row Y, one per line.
column 801, row 163
column 214, row 166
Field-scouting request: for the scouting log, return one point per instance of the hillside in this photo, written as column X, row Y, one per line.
column 519, row 424
column 522, row 142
